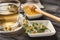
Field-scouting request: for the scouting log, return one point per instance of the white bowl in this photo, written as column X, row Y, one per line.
column 31, row 16
column 48, row 24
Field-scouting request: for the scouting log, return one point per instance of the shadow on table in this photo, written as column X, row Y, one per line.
column 54, row 37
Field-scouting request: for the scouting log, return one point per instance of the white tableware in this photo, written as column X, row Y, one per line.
column 31, row 16
column 48, row 24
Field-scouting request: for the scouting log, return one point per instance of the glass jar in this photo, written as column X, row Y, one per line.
column 9, row 14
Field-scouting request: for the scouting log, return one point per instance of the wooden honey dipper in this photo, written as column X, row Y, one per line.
column 46, row 14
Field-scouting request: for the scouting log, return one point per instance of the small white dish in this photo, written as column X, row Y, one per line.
column 48, row 24
column 31, row 16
